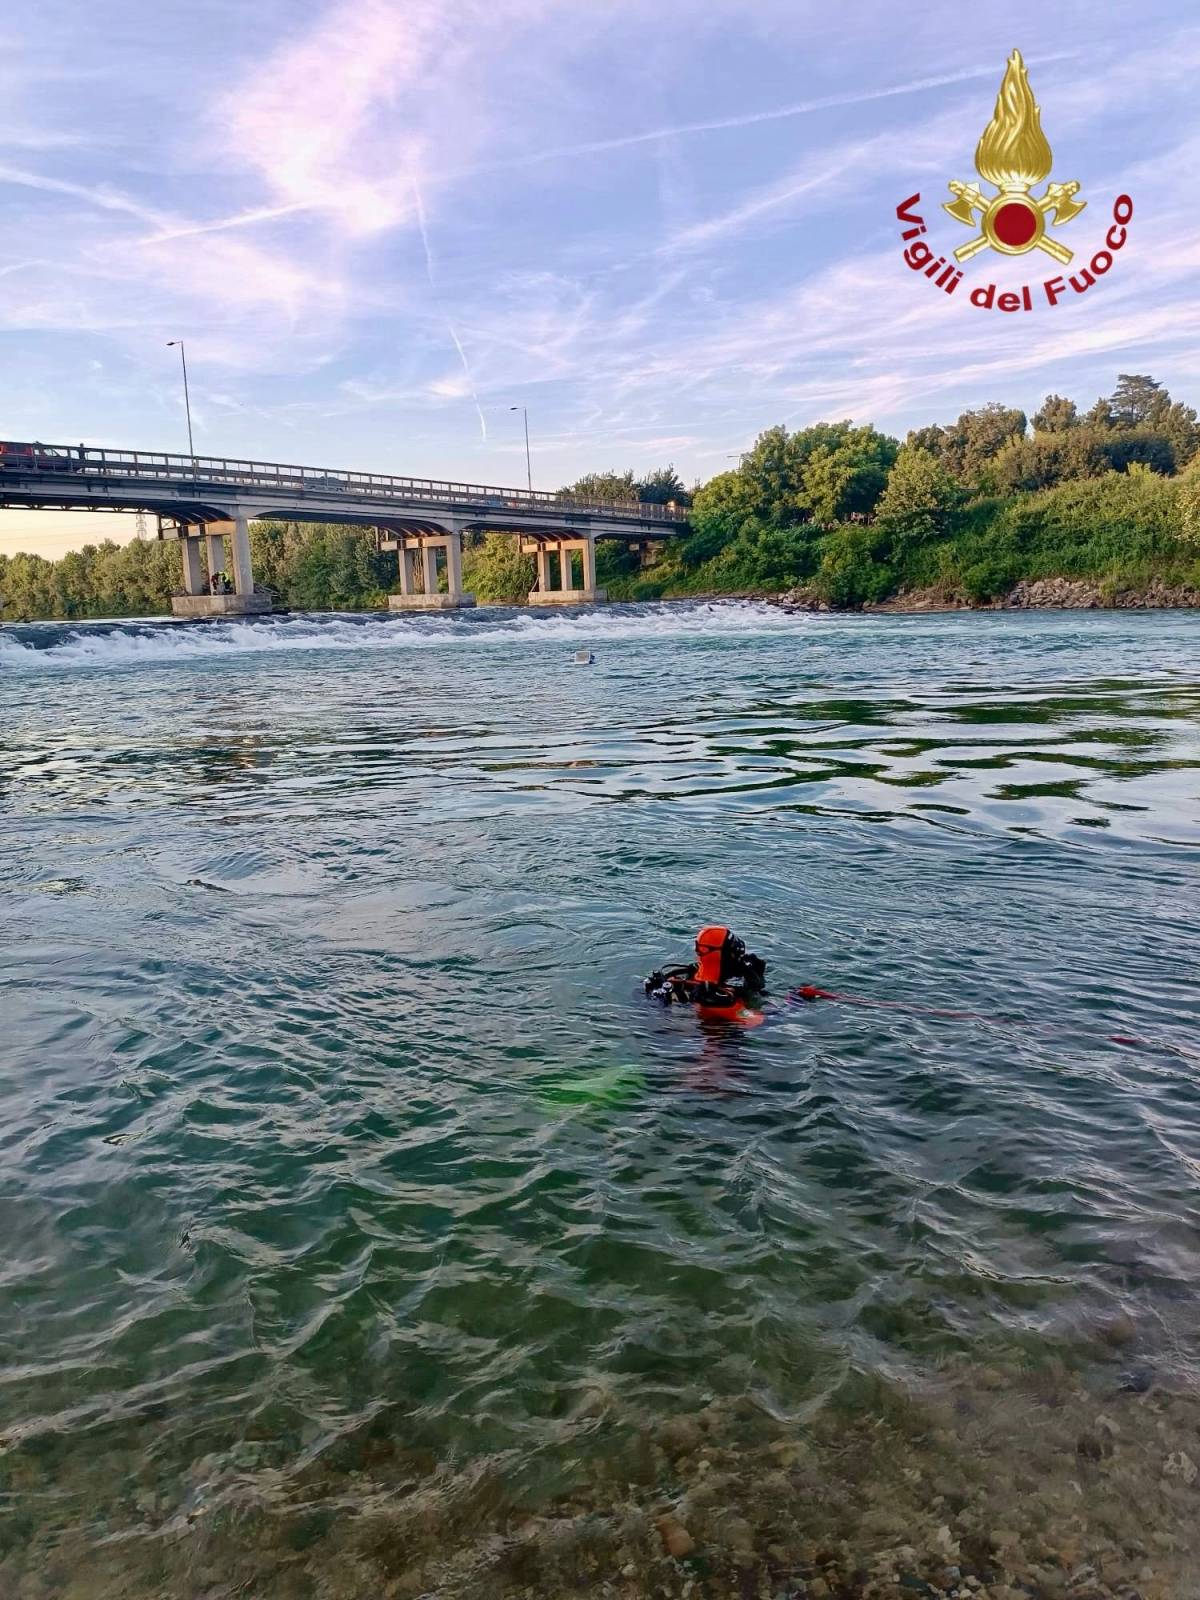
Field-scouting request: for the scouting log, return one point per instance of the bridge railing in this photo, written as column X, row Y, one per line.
column 197, row 471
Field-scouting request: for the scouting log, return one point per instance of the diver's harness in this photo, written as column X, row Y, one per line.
column 724, row 974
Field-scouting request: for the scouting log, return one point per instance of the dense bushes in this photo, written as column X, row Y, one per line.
column 928, row 530
column 851, row 572
column 495, row 570
column 316, row 567
column 1121, row 530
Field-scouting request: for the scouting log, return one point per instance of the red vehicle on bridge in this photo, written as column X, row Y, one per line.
column 40, row 458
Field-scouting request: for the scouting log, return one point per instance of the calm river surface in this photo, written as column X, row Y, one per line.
column 366, row 1232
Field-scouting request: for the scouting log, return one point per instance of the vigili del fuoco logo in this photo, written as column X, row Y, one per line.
column 1013, row 157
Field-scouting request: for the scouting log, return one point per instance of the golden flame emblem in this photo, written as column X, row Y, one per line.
column 1013, row 155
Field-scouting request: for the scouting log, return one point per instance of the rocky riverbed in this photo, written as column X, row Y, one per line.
column 1012, row 1482
column 1061, row 594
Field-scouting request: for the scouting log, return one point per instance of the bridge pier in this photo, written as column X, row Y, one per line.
column 214, row 546
column 193, row 570
column 198, row 598
column 243, row 573
column 566, row 594
column 428, row 597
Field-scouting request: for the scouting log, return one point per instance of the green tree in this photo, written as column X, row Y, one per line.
column 496, row 570
column 626, row 488
column 1100, row 417
column 1126, row 447
column 615, row 488
column 845, row 478
column 662, row 487
column 969, row 447
column 723, row 508
column 1050, row 457
column 984, row 433
column 1135, row 400
column 919, row 500
column 1178, row 425
column 1056, row 414
column 28, row 588
column 772, row 471
column 818, row 474
column 933, row 438
column 1188, row 505
column 321, row 566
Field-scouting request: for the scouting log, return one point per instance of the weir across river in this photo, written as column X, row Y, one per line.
column 211, row 501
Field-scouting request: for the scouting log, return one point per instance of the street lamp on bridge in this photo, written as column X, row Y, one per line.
column 528, row 468
column 187, row 404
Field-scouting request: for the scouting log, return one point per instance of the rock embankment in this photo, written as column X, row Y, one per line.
column 1080, row 594
column 1036, row 594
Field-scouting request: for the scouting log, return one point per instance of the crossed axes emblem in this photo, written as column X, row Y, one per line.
column 1058, row 205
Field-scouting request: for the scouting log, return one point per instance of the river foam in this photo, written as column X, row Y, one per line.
column 40, row 646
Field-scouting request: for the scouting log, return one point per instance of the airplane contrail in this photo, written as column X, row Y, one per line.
column 453, row 331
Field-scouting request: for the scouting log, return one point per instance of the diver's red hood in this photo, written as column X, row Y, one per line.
column 710, row 943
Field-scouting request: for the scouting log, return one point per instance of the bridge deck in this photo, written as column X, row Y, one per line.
column 83, row 476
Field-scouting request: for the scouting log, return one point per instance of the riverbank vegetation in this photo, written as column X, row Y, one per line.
column 851, row 516
column 307, row 566
column 967, row 509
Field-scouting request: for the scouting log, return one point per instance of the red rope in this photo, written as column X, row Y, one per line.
column 810, row 992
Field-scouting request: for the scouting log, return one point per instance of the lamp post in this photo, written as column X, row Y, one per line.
column 187, row 404
column 528, row 468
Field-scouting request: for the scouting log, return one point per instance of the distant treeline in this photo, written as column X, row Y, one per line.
column 1111, row 494
column 312, row 567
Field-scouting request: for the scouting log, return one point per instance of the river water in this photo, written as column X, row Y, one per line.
column 367, row 1232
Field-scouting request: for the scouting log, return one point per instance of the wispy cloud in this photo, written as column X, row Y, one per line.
column 392, row 218
column 99, row 195
column 746, row 119
column 34, row 140
column 829, row 180
column 333, row 118
column 243, row 219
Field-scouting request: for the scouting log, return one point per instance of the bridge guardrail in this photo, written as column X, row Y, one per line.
column 200, row 470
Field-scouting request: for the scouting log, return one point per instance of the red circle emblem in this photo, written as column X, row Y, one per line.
column 1015, row 224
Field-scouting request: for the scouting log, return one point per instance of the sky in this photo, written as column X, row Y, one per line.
column 659, row 226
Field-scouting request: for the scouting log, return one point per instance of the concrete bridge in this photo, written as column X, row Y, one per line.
column 213, row 500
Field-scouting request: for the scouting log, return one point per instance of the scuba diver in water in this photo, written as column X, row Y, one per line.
column 719, row 983
column 726, row 977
